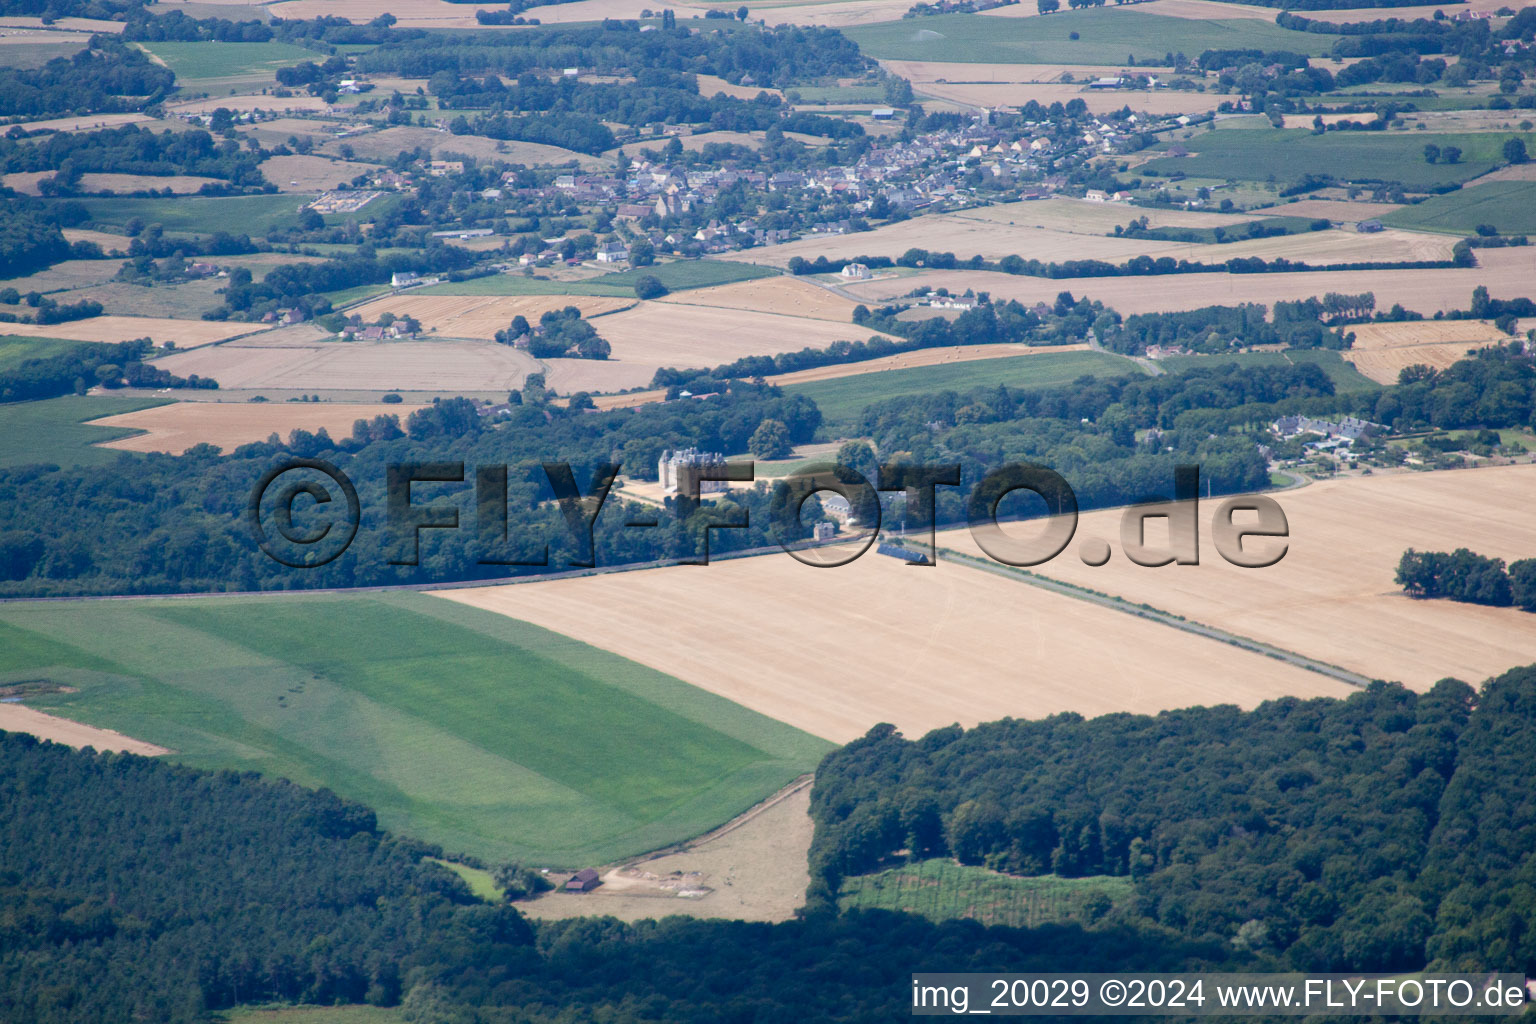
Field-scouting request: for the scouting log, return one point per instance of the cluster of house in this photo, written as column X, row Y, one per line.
column 1350, row 427
column 926, row 171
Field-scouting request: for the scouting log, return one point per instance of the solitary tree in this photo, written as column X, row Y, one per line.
column 1514, row 152
column 770, row 440
column 1431, row 153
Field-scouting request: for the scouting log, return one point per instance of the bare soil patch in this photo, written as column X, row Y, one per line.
column 753, row 869
column 19, row 718
column 835, row 652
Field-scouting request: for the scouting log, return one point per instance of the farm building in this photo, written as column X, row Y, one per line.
column 584, row 880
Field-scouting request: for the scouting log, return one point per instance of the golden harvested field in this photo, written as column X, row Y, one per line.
column 961, row 234
column 709, row 85
column 787, row 295
column 1015, row 229
column 1082, row 217
column 66, row 24
column 655, row 334
column 128, row 183
column 85, row 122
column 833, row 14
column 185, row 333
column 465, row 367
column 1381, row 351
column 921, row 357
column 597, row 10
column 1507, row 273
column 410, row 13
column 1430, row 332
column 176, row 427
column 1340, row 211
column 1332, row 597
column 385, row 145
column 836, row 651
column 312, row 173
column 481, row 316
column 19, row 718
column 1384, row 365
column 695, row 142
column 108, row 242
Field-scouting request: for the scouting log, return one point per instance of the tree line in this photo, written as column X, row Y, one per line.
column 1463, row 575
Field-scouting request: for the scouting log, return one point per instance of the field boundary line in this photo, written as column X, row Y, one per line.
column 1143, row 611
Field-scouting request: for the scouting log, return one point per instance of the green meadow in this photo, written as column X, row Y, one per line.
column 1508, row 206
column 54, row 430
column 1288, row 155
column 1106, row 35
column 1343, row 374
column 251, row 215
column 942, row 890
column 208, row 60
column 842, row 399
column 485, row 734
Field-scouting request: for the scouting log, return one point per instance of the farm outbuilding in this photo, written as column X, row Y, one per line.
column 584, row 880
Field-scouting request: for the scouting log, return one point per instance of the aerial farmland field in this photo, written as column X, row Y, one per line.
column 842, row 398
column 178, row 426
column 881, row 641
column 1332, row 597
column 484, row 734
column 1107, row 36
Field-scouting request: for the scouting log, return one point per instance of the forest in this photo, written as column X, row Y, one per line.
column 83, row 365
column 1383, row 832
column 107, row 77
column 775, row 57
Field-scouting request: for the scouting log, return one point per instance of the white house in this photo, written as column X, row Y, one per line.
column 855, row 272
column 612, row 252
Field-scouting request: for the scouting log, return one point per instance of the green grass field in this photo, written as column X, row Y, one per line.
column 54, row 430
column 1343, row 374
column 1106, row 36
column 516, row 284
column 194, row 61
column 1510, row 206
column 680, row 275
column 252, row 215
column 1289, row 154
column 485, row 734
column 15, row 349
column 942, row 890
column 478, row 880
column 842, row 399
